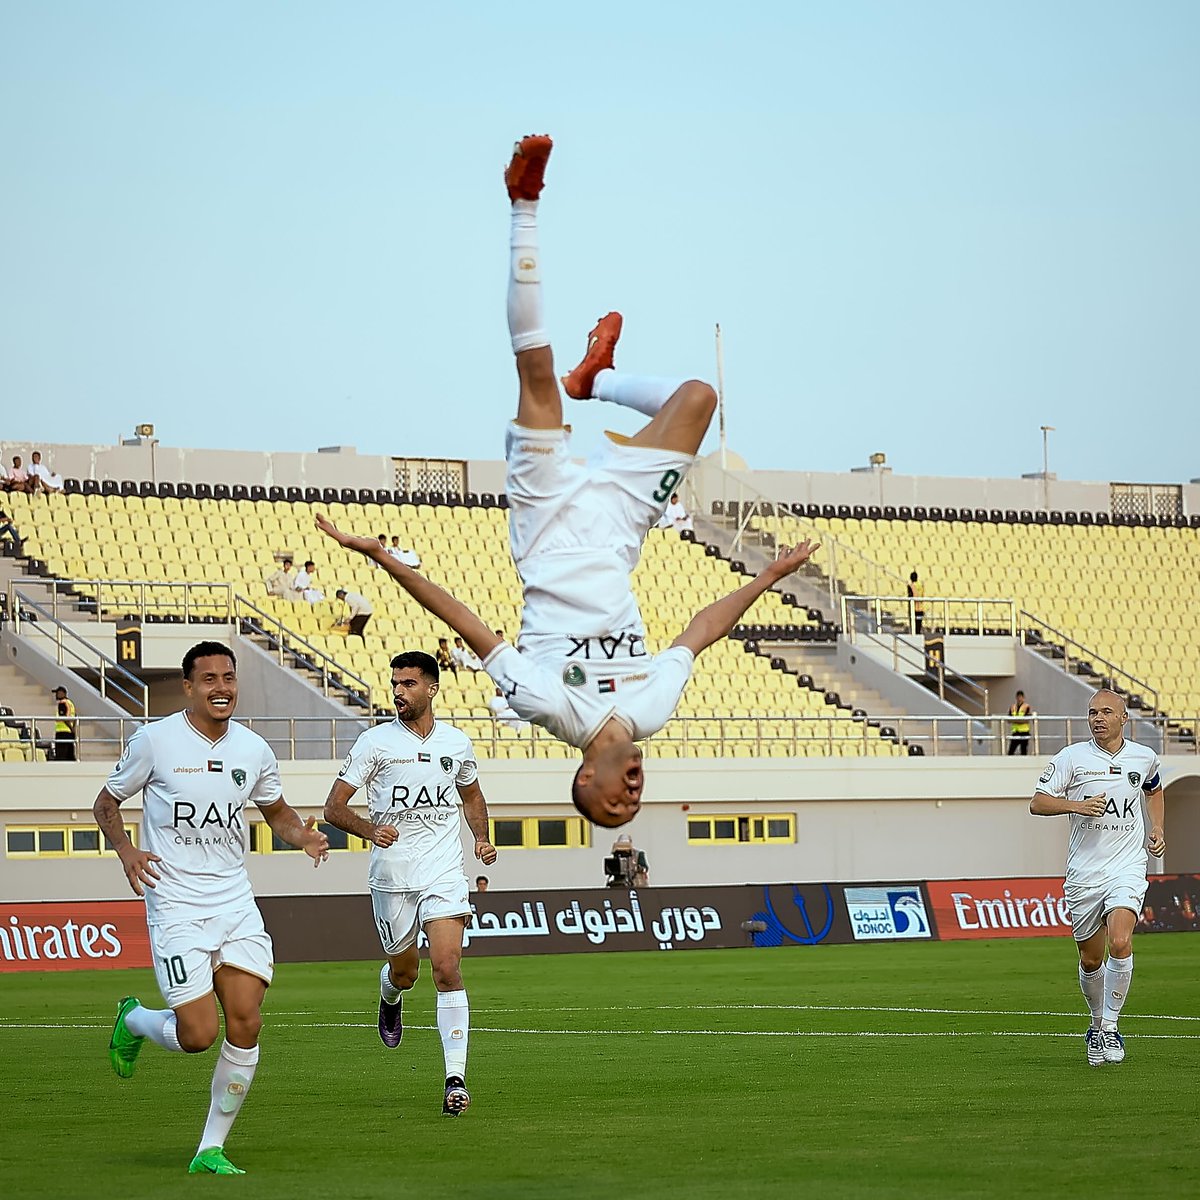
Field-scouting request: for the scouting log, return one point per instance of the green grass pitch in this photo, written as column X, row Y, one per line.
column 903, row 1070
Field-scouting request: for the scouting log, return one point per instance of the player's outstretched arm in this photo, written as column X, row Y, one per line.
column 138, row 864
column 339, row 814
column 433, row 599
column 285, row 823
column 716, row 621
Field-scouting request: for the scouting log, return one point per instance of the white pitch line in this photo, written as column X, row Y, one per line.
column 881, row 1008
column 788, row 1033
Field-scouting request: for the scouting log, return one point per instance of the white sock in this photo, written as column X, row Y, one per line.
column 454, row 1024
column 231, row 1081
column 643, row 393
column 525, row 322
column 1091, row 983
column 158, row 1024
column 388, row 991
column 1118, row 975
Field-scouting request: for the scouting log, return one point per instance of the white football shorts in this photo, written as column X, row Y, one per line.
column 186, row 953
column 629, row 485
column 398, row 915
column 1091, row 903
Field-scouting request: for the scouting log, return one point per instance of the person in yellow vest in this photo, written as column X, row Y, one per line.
column 64, row 727
column 916, row 591
column 1018, row 729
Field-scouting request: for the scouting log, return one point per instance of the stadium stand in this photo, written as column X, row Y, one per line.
column 740, row 703
column 1114, row 587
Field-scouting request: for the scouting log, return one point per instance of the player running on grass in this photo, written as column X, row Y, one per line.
column 581, row 669
column 1111, row 792
column 419, row 775
column 197, row 770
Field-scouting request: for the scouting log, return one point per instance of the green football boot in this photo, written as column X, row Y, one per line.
column 213, row 1162
column 123, row 1046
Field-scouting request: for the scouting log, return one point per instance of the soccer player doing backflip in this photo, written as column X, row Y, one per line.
column 581, row 669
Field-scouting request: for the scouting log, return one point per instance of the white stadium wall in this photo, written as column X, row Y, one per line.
column 856, row 820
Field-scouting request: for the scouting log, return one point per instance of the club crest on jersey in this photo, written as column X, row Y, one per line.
column 238, row 776
column 573, row 676
column 447, row 764
column 1135, row 777
column 215, row 764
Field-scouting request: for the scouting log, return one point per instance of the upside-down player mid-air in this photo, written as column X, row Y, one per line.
column 581, row 669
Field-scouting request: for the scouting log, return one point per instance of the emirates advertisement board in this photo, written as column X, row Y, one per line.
column 73, row 936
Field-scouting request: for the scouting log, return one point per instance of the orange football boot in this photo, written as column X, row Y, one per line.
column 525, row 174
column 602, row 341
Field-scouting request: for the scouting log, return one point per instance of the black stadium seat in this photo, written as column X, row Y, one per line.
column 146, row 488
column 348, row 496
column 240, row 491
column 222, row 491
column 312, row 495
column 109, row 487
column 293, row 494
column 328, row 496
column 72, row 487
column 129, row 488
column 185, row 491
column 366, row 496
column 275, row 493
column 257, row 492
column 166, row 488
column 383, row 496
column 90, row 487
column 204, row 491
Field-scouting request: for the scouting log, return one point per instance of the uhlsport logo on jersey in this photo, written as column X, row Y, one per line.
column 886, row 912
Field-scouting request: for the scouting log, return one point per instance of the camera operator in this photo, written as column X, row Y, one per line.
column 626, row 867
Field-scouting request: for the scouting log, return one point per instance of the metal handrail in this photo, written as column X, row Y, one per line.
column 93, row 609
column 885, row 609
column 329, row 738
column 1117, row 674
column 111, row 673
column 288, row 643
column 750, row 504
column 863, row 619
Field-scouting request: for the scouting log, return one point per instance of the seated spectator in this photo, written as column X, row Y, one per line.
column 282, row 581
column 465, row 657
column 445, row 660
column 18, row 477
column 9, row 530
column 676, row 516
column 358, row 609
column 410, row 558
column 504, row 713
column 47, row 479
column 306, row 589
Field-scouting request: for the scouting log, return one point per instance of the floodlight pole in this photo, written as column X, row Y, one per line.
column 721, row 395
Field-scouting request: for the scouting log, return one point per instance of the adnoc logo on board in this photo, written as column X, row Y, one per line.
column 878, row 913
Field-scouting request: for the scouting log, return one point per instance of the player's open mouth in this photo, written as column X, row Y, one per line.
column 219, row 702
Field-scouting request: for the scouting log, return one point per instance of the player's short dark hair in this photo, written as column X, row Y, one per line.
column 205, row 650
column 417, row 660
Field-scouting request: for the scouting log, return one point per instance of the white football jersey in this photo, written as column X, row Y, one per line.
column 412, row 783
column 193, row 811
column 1114, row 844
column 572, row 686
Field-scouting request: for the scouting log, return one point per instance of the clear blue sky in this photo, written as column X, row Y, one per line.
column 925, row 228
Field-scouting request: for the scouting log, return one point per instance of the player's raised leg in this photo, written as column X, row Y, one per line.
column 241, row 995
column 679, row 410
column 397, row 975
column 453, row 1010
column 539, row 405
